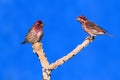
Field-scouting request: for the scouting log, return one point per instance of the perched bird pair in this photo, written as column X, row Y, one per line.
column 36, row 32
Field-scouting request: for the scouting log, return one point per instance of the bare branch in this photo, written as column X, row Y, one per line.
column 71, row 54
column 46, row 67
column 37, row 47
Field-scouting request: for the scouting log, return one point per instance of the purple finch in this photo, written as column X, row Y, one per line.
column 91, row 28
column 35, row 33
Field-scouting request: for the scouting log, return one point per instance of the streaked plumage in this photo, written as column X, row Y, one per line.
column 35, row 33
column 91, row 28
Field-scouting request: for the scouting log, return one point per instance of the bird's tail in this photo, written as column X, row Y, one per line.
column 23, row 42
column 109, row 34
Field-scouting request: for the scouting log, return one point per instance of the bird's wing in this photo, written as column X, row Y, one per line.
column 29, row 31
column 28, row 34
column 91, row 25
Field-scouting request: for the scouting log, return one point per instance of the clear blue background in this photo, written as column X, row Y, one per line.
column 62, row 33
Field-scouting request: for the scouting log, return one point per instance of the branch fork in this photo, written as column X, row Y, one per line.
column 47, row 67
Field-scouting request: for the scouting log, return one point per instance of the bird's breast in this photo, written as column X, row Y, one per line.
column 39, row 33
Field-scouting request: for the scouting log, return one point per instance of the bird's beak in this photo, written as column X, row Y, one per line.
column 78, row 19
column 41, row 24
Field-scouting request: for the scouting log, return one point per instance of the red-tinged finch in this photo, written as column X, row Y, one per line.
column 35, row 33
column 91, row 28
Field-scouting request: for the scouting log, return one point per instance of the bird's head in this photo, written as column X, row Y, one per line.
column 39, row 23
column 82, row 19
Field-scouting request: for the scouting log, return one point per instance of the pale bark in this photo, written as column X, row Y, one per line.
column 46, row 67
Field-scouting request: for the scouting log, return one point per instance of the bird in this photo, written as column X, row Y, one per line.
column 91, row 28
column 35, row 33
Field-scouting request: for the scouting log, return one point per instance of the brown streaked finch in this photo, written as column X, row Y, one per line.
column 91, row 28
column 35, row 33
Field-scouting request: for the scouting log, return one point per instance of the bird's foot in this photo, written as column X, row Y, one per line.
column 90, row 38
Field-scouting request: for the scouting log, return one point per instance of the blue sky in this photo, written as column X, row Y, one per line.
column 62, row 33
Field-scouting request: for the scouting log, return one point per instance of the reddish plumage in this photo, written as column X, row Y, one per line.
column 91, row 28
column 35, row 33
